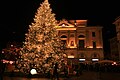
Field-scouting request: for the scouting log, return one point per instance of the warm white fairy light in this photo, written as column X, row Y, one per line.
column 41, row 48
column 33, row 71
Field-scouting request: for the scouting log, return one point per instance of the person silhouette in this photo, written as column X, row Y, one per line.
column 2, row 69
column 55, row 72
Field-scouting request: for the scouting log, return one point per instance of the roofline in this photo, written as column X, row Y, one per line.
column 116, row 19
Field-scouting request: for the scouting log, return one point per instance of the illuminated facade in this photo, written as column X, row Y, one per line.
column 83, row 43
column 117, row 24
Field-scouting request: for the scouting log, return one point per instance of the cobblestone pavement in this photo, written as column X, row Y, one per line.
column 84, row 76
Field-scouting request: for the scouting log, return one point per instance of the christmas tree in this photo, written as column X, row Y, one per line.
column 42, row 47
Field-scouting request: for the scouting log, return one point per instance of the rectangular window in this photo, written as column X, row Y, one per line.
column 94, row 44
column 93, row 34
column 81, row 44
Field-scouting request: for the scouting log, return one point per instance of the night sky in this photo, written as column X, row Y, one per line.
column 17, row 15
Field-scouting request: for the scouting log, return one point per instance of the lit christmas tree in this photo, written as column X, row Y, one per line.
column 42, row 47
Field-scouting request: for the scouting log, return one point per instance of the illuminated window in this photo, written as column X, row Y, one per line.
column 71, row 56
column 63, row 25
column 81, row 59
column 72, row 43
column 95, row 59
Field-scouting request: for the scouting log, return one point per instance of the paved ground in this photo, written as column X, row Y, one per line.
column 110, row 76
column 84, row 76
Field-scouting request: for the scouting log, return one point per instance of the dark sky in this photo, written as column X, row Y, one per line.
column 17, row 15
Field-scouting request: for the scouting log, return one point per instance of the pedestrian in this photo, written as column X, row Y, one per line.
column 65, row 71
column 55, row 72
column 81, row 68
column 2, row 69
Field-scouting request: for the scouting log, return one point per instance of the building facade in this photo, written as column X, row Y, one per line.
column 114, row 49
column 117, row 24
column 82, row 43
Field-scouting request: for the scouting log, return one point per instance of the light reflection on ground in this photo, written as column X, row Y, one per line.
column 20, row 78
column 85, row 76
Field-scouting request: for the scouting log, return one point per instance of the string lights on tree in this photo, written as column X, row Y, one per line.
column 42, row 46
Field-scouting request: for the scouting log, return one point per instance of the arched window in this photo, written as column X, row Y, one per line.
column 63, row 25
column 81, row 36
column 72, row 43
column 63, row 36
column 95, row 55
